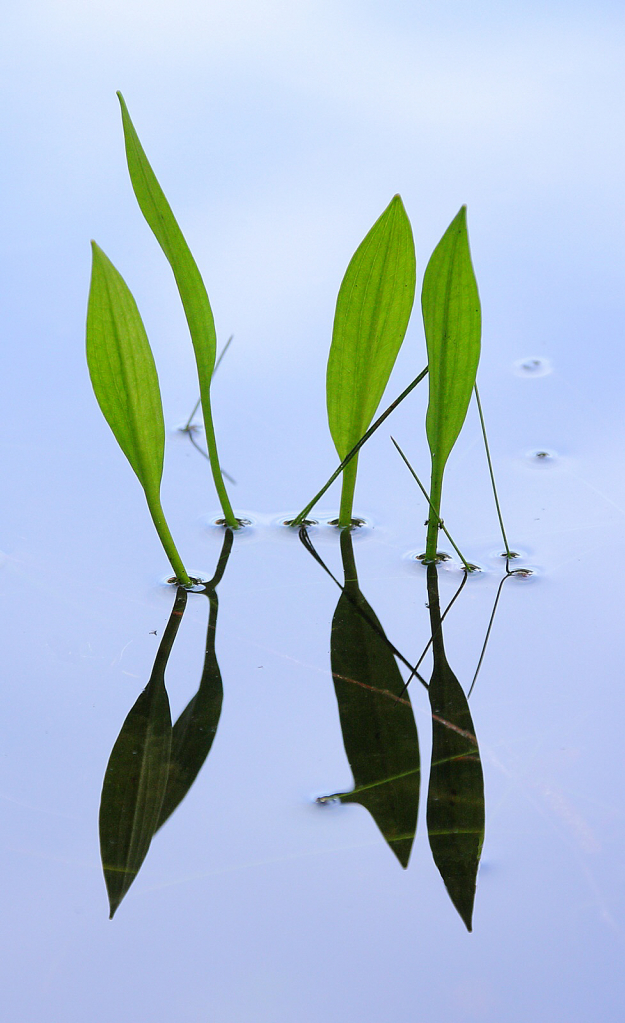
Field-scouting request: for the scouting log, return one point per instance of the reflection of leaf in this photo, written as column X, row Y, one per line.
column 379, row 730
column 455, row 813
column 136, row 775
column 195, row 729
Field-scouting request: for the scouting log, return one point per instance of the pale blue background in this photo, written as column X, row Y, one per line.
column 279, row 132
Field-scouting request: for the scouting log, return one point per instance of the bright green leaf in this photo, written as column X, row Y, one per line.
column 372, row 313
column 452, row 320
column 158, row 214
column 123, row 373
column 125, row 382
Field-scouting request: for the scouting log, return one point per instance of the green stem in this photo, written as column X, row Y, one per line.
column 299, row 519
column 464, row 561
column 213, row 458
column 158, row 518
column 347, row 492
column 509, row 553
column 434, row 518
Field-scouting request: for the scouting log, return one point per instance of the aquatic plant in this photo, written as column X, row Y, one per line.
column 452, row 321
column 372, row 313
column 193, row 294
column 126, row 386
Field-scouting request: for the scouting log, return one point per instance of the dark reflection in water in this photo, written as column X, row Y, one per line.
column 380, row 736
column 377, row 721
column 455, row 810
column 152, row 764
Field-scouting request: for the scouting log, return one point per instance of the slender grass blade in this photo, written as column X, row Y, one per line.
column 372, row 313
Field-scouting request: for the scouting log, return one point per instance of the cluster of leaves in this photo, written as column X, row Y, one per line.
column 373, row 310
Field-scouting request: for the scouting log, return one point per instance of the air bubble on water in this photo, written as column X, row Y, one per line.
column 533, row 366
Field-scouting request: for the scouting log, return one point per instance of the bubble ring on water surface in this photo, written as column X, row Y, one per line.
column 542, row 457
column 533, row 366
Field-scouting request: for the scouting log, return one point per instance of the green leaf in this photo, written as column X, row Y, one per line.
column 372, row 313
column 136, row 776
column 455, row 811
column 158, row 214
column 452, row 320
column 123, row 373
column 377, row 720
column 125, row 383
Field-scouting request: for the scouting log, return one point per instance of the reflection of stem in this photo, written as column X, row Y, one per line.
column 509, row 553
column 466, row 564
column 299, row 519
column 305, row 539
column 170, row 633
column 443, row 616
column 487, row 637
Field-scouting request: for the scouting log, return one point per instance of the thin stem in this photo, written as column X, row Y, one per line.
column 347, row 493
column 509, row 553
column 434, row 518
column 464, row 561
column 487, row 637
column 158, row 518
column 213, row 458
column 429, row 642
column 299, row 519
column 203, row 453
column 186, row 427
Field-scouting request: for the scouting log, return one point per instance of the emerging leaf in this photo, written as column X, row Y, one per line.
column 123, row 373
column 372, row 313
column 452, row 320
column 158, row 213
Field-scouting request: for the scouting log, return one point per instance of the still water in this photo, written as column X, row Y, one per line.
column 285, row 879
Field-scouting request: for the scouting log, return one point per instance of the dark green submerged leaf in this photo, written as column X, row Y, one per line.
column 377, row 721
column 136, row 775
column 194, row 731
column 455, row 810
